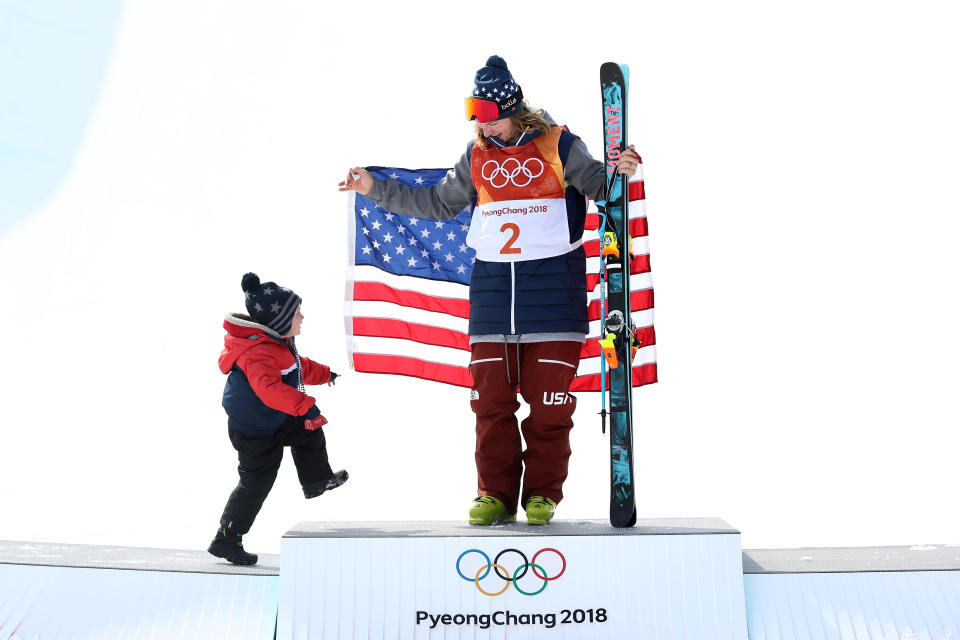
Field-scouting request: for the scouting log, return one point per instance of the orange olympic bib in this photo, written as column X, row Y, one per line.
column 521, row 211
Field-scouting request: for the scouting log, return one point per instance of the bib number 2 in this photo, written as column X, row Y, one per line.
column 514, row 232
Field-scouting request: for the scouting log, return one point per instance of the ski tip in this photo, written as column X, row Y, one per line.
column 613, row 71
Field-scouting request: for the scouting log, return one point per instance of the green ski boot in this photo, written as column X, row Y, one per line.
column 540, row 510
column 489, row 510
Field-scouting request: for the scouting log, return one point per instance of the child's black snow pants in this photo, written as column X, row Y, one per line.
column 260, row 461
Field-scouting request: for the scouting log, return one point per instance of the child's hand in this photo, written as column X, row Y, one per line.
column 316, row 423
column 333, row 379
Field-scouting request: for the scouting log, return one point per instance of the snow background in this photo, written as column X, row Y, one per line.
column 801, row 167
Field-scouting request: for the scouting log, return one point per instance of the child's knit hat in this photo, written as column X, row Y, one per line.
column 268, row 304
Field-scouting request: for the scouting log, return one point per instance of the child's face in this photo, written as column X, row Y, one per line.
column 295, row 325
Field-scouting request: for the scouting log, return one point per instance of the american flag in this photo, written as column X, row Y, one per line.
column 407, row 302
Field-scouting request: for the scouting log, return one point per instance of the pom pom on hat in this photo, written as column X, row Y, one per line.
column 250, row 282
column 269, row 304
column 496, row 61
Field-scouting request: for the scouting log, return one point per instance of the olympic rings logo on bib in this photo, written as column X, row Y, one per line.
column 506, row 576
column 511, row 172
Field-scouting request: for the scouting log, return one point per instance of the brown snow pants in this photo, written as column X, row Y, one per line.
column 542, row 372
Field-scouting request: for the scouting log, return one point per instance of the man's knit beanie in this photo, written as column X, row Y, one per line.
column 494, row 82
column 268, row 304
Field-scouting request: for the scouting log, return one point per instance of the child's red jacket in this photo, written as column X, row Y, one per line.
column 262, row 388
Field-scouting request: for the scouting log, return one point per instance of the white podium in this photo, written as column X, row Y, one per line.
column 53, row 590
column 670, row 579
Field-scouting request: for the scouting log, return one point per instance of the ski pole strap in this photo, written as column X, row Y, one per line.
column 613, row 176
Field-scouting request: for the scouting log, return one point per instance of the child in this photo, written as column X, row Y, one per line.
column 268, row 409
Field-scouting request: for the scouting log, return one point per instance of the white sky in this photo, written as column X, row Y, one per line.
column 801, row 162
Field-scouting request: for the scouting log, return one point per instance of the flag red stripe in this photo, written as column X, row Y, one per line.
column 639, row 264
column 639, row 300
column 638, row 227
column 637, row 191
column 592, row 222
column 414, row 367
column 460, row 376
column 379, row 292
column 645, row 374
column 426, row 334
column 422, row 333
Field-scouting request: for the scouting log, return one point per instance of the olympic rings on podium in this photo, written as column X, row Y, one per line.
column 507, row 577
column 544, row 576
column 530, row 593
column 506, row 585
column 485, row 557
column 518, row 573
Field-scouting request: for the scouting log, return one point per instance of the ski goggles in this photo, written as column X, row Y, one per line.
column 485, row 110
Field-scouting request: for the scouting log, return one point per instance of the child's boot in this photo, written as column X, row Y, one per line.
column 540, row 510
column 486, row 510
column 229, row 546
column 335, row 481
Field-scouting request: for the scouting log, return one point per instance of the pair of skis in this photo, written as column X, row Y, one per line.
column 618, row 341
